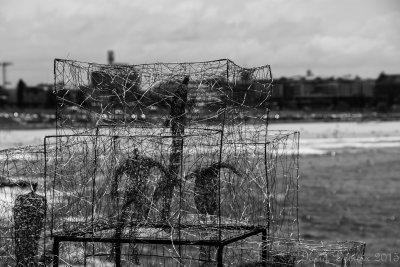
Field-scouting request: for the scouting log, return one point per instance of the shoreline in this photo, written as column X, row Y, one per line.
column 43, row 119
column 38, row 126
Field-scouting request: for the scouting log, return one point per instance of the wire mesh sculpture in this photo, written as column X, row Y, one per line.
column 117, row 173
column 130, row 101
column 246, row 188
column 29, row 222
column 162, row 164
column 240, row 208
column 137, row 168
column 166, row 163
column 22, row 206
column 218, row 93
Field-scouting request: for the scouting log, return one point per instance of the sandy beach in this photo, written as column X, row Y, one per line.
column 353, row 196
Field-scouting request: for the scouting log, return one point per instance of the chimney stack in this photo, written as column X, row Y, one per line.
column 110, row 57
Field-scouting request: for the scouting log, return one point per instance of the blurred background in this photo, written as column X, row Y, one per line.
column 336, row 68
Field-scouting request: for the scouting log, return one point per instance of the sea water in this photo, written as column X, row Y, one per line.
column 315, row 137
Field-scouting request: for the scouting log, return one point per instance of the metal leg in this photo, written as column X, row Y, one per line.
column 56, row 247
column 219, row 255
column 264, row 248
column 117, row 254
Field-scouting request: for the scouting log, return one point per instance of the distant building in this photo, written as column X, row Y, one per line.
column 3, row 96
column 368, row 86
column 33, row 96
column 387, row 89
column 309, row 91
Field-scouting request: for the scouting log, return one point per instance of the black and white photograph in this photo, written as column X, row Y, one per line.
column 198, row 133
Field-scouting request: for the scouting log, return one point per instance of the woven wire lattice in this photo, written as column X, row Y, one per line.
column 22, row 187
column 167, row 164
column 89, row 191
column 217, row 92
column 243, row 181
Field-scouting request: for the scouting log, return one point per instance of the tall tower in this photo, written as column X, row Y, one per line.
column 4, row 65
column 110, row 57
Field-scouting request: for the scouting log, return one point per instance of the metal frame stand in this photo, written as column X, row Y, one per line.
column 58, row 239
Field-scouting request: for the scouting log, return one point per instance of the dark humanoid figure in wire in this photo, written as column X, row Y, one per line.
column 136, row 199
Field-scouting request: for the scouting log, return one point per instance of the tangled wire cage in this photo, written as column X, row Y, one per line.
column 219, row 195
column 166, row 164
column 243, row 182
column 219, row 93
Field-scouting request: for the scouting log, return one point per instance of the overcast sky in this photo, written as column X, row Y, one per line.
column 330, row 37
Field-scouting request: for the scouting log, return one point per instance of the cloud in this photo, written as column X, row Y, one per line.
column 359, row 36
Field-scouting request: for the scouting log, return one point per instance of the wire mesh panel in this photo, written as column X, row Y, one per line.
column 306, row 253
column 299, row 253
column 95, row 174
column 126, row 187
column 22, row 198
column 97, row 254
column 214, row 93
column 266, row 193
column 251, row 183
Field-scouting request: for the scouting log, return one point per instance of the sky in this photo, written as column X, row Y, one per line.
column 329, row 37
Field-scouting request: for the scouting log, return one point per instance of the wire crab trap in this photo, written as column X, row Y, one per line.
column 22, row 206
column 137, row 200
column 218, row 93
